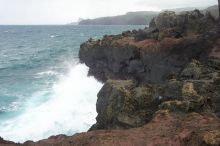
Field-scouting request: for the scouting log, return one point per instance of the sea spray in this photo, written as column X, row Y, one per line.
column 69, row 108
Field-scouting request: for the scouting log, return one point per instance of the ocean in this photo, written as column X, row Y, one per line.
column 44, row 90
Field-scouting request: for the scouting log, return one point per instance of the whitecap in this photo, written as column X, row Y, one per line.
column 54, row 36
column 50, row 73
column 14, row 106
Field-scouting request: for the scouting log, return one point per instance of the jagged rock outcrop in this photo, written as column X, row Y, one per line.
column 148, row 60
column 123, row 104
column 153, row 53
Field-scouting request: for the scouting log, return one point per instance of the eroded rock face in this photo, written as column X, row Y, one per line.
column 147, row 60
column 176, row 96
column 154, row 53
column 125, row 104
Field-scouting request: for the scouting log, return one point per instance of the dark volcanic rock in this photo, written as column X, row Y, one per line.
column 146, row 61
column 154, row 53
column 123, row 104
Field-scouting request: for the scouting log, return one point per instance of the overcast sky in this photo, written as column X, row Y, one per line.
column 65, row 11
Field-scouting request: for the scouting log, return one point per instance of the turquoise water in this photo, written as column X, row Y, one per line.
column 44, row 91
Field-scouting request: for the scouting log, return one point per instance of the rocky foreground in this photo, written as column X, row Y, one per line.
column 162, row 85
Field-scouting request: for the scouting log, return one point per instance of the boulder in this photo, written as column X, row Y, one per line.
column 147, row 33
column 167, row 19
column 186, row 23
column 192, row 70
column 122, row 105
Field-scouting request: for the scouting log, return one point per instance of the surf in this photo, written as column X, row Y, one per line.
column 69, row 109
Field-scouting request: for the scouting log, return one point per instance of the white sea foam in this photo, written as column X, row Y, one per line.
column 50, row 72
column 69, row 109
column 54, row 36
column 14, row 106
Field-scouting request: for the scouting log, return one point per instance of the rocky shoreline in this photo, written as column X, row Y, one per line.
column 161, row 85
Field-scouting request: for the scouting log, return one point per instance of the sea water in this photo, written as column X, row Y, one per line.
column 44, row 90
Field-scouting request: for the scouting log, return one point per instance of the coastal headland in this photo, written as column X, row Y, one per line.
column 161, row 85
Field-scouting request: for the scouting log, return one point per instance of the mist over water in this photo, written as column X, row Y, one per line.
column 44, row 91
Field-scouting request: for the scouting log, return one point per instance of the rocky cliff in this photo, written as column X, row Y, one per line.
column 172, row 65
column 152, row 54
column 161, row 85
